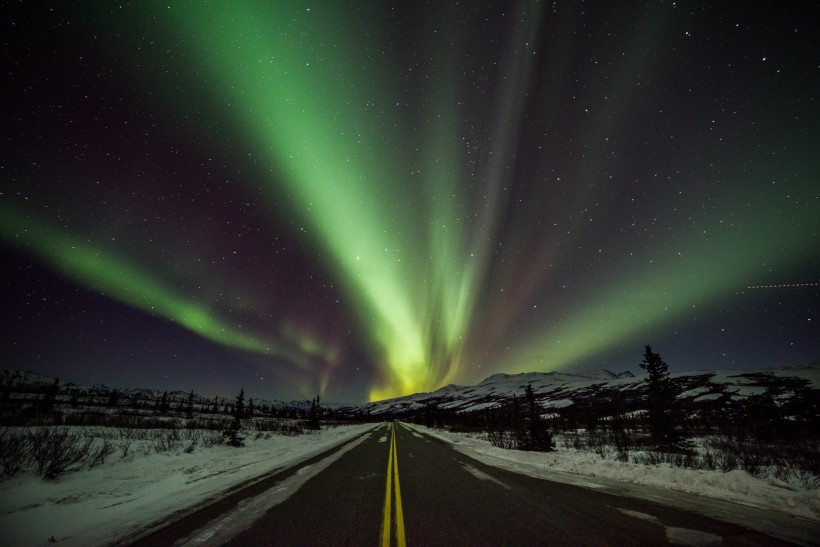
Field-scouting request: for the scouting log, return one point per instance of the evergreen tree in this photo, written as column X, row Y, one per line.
column 189, row 411
column 514, row 423
column 763, row 416
column 113, row 398
column 232, row 434
column 314, row 418
column 661, row 395
column 239, row 408
column 50, row 395
column 538, row 437
column 250, row 408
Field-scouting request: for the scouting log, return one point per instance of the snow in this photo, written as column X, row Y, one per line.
column 482, row 406
column 810, row 372
column 790, row 511
column 558, row 403
column 225, row 527
column 553, row 388
column 708, row 397
column 695, row 392
column 746, row 391
column 678, row 536
column 122, row 498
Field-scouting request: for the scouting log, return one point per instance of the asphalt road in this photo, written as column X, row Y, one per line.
column 397, row 487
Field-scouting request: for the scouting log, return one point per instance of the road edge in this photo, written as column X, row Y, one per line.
column 281, row 472
column 785, row 526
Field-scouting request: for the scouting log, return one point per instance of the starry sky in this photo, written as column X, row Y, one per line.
column 365, row 199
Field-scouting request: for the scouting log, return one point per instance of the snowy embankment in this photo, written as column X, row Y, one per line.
column 121, row 498
column 757, row 503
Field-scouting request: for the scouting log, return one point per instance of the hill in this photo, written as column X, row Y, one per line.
column 792, row 393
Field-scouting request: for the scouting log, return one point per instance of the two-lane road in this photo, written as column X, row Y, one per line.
column 397, row 487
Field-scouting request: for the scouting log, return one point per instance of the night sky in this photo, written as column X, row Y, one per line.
column 365, row 199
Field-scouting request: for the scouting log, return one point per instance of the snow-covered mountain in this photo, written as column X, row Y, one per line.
column 795, row 390
column 558, row 390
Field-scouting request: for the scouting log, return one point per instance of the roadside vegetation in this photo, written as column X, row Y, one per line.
column 768, row 435
column 772, row 431
column 54, row 430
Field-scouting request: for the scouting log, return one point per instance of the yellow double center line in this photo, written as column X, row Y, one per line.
column 392, row 477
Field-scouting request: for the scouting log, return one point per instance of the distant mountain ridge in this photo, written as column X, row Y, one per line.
column 555, row 391
column 27, row 381
column 559, row 390
column 602, row 374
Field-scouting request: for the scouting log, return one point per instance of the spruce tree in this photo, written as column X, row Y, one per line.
column 232, row 434
column 239, row 408
column 189, row 411
column 661, row 395
column 516, row 425
column 538, row 437
column 314, row 416
column 50, row 395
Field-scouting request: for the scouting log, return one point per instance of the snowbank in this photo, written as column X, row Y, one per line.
column 117, row 499
column 798, row 507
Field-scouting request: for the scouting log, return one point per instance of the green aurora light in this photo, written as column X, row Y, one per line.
column 104, row 271
column 386, row 204
column 385, row 175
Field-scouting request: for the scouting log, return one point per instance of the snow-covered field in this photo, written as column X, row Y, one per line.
column 736, row 496
column 120, row 498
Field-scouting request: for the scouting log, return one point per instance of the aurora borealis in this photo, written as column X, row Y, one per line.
column 370, row 198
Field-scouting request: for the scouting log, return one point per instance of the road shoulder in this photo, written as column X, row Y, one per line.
column 766, row 520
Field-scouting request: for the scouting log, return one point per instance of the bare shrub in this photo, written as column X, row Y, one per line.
column 278, row 427
column 676, row 459
column 503, row 439
column 135, row 434
column 797, row 459
column 14, row 452
column 807, row 478
column 122, row 419
column 125, row 451
column 211, row 438
column 167, row 440
column 54, row 450
column 104, row 448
